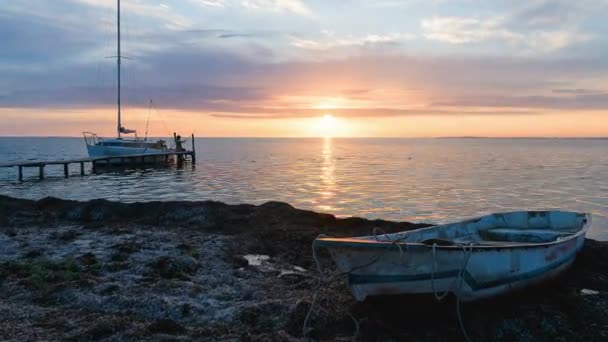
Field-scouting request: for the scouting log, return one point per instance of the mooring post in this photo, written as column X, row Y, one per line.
column 41, row 171
column 66, row 171
column 20, row 173
column 82, row 168
column 193, row 155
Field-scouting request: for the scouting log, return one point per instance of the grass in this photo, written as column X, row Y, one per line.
column 189, row 250
column 173, row 268
column 39, row 273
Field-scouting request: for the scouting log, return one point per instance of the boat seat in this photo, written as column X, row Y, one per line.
column 522, row 235
column 494, row 243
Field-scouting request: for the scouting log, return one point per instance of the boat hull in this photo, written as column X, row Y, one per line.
column 470, row 272
column 117, row 152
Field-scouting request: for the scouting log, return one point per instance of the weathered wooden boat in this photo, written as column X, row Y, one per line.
column 472, row 259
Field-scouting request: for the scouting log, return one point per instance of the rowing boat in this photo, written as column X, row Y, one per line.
column 471, row 259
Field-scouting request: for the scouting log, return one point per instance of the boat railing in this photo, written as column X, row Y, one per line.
column 91, row 138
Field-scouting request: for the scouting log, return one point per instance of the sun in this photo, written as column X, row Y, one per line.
column 329, row 119
column 328, row 125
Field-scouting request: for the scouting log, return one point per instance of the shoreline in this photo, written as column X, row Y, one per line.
column 101, row 269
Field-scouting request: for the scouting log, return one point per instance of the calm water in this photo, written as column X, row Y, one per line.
column 430, row 180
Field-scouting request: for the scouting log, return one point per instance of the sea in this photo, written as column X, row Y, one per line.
column 419, row 180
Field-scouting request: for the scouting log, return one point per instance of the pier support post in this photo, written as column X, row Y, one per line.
column 66, row 171
column 82, row 168
column 20, row 173
column 41, row 171
column 94, row 166
column 193, row 155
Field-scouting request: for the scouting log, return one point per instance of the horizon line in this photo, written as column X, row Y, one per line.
column 325, row 137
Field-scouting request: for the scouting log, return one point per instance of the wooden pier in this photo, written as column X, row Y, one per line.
column 128, row 160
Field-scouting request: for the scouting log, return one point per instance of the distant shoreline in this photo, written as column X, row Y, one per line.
column 375, row 138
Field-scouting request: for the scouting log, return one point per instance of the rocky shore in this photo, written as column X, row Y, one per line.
column 211, row 271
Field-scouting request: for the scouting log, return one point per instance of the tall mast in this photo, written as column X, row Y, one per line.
column 118, row 68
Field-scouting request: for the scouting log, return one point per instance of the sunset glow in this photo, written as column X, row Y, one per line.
column 423, row 70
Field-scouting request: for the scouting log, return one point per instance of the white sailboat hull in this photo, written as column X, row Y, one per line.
column 473, row 267
column 118, row 151
column 97, row 151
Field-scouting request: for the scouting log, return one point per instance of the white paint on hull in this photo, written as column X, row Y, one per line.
column 400, row 263
column 118, row 151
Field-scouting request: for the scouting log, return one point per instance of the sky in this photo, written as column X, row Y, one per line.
column 296, row 68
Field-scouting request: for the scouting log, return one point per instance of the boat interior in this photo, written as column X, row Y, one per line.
column 497, row 229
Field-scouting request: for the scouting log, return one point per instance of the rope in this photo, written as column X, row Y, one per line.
column 460, row 322
column 322, row 284
column 438, row 297
column 462, row 270
column 395, row 241
column 459, row 279
column 398, row 242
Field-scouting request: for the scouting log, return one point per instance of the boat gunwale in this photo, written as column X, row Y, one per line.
column 351, row 242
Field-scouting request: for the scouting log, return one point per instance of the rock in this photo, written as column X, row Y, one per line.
column 255, row 260
column 166, row 326
column 174, row 267
column 587, row 292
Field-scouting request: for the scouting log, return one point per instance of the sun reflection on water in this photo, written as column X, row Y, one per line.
column 327, row 189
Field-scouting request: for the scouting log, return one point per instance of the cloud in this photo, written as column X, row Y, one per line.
column 545, row 14
column 288, row 113
column 212, row 3
column 182, row 96
column 578, row 91
column 220, row 83
column 457, row 30
column 464, row 30
column 539, row 26
column 278, row 6
column 160, row 12
column 330, row 40
column 574, row 102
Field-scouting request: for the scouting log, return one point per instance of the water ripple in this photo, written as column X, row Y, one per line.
column 432, row 180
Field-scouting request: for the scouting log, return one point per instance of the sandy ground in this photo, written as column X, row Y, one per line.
column 210, row 271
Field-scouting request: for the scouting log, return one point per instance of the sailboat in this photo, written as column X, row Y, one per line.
column 119, row 146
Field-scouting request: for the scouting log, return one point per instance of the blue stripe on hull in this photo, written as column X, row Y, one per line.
column 357, row 279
